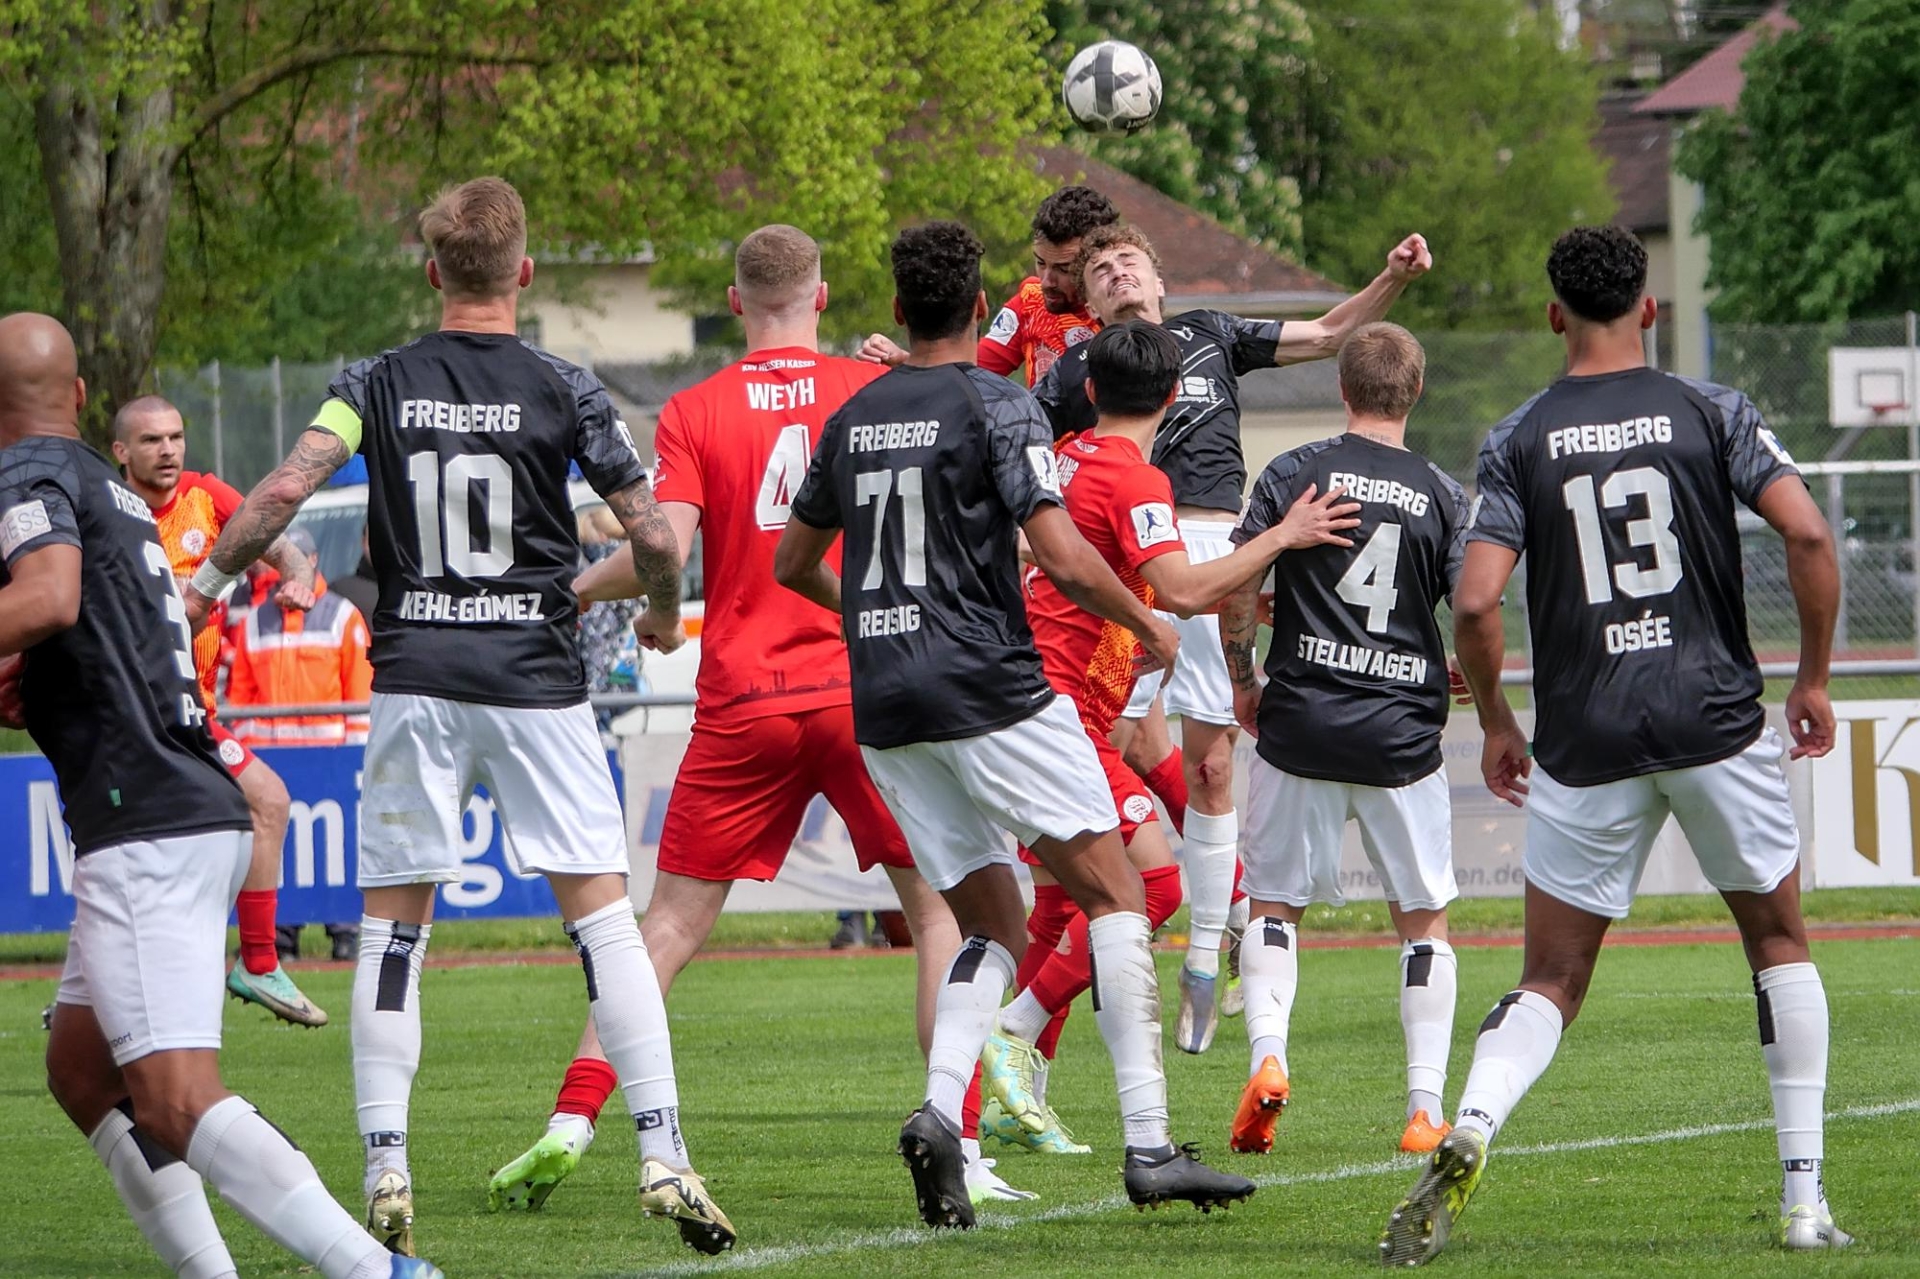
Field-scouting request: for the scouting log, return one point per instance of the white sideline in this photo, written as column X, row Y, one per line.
column 783, row 1254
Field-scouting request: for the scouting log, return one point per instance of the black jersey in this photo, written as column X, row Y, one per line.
column 112, row 700
column 469, row 438
column 1619, row 489
column 1357, row 670
column 931, row 472
column 1198, row 444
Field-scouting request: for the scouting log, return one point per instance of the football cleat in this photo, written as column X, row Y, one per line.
column 1054, row 1139
column 390, row 1213
column 1419, row 1227
column 1155, row 1177
column 414, row 1268
column 1199, row 1013
column 1007, row 1067
column 528, row 1180
column 1806, row 1229
column 276, row 993
column 1261, row 1102
column 681, row 1195
column 984, row 1185
column 939, row 1169
column 1233, row 1000
column 1422, row 1134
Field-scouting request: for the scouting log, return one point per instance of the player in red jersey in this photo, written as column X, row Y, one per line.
column 1123, row 506
column 773, row 723
column 1046, row 315
column 190, row 508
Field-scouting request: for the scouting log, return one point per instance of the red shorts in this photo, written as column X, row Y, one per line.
column 744, row 787
column 1130, row 796
column 233, row 752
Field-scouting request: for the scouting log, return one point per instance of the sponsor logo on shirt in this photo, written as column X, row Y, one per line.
column 1044, row 470
column 1005, row 325
column 1077, row 334
column 22, row 524
column 1153, row 524
column 193, row 541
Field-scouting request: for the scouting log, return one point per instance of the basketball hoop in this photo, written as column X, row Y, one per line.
column 1887, row 414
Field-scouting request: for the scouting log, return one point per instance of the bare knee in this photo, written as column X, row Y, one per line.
column 1563, row 980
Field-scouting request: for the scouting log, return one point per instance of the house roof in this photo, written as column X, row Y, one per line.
column 1715, row 81
column 1206, row 264
column 1636, row 148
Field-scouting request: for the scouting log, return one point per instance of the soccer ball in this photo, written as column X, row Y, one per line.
column 1111, row 87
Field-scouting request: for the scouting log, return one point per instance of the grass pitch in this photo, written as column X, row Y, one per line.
column 1645, row 1150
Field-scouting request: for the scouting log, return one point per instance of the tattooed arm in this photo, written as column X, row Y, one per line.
column 656, row 563
column 264, row 516
column 1237, row 628
column 298, row 573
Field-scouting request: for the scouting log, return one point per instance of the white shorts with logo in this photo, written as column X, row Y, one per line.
column 956, row 801
column 544, row 768
column 148, row 950
column 1198, row 688
column 1296, row 825
column 1588, row 845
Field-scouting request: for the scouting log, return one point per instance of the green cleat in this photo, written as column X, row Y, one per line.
column 1007, row 1067
column 528, row 1180
column 1419, row 1227
column 276, row 993
column 1054, row 1139
column 1806, row 1229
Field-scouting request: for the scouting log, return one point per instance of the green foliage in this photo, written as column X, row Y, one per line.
column 1466, row 122
column 1812, row 184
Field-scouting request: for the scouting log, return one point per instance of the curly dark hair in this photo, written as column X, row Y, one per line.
column 1133, row 367
column 1070, row 213
column 936, row 276
column 1598, row 272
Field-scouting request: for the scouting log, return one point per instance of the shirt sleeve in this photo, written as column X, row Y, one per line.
column 817, row 504
column 602, row 446
column 1497, row 514
column 36, row 510
column 1457, row 536
column 676, row 464
column 344, row 411
column 1062, row 396
column 1020, row 454
column 1252, row 344
column 226, row 498
column 1142, row 516
column 1272, row 496
column 1002, row 349
column 1754, row 455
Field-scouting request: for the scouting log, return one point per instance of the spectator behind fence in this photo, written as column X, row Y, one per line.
column 283, row 657
column 607, row 648
column 360, row 589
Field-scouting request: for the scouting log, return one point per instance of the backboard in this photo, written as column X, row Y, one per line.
column 1870, row 385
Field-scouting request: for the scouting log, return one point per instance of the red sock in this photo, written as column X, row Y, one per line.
column 1052, row 908
column 1049, row 1041
column 970, row 1107
column 589, row 1082
column 1068, row 972
column 1168, row 780
column 1239, row 871
column 256, row 910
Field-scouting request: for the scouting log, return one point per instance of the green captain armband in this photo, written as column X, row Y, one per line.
column 338, row 417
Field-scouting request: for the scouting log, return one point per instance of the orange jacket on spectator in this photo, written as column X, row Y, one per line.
column 282, row 657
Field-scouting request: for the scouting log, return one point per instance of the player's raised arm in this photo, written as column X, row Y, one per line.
column 264, row 516
column 1303, row 340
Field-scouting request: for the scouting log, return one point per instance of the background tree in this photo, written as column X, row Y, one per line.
column 295, row 136
column 1813, row 183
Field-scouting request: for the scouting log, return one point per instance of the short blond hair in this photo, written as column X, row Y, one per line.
column 1105, row 239
column 477, row 233
column 1382, row 367
column 777, row 267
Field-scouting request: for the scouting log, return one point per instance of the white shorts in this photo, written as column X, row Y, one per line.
column 955, row 800
column 544, row 768
column 1198, row 688
column 1296, row 825
column 1588, row 845
column 148, row 951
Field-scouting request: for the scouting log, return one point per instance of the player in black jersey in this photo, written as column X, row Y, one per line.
column 161, row 837
column 1348, row 724
column 933, row 471
column 1198, row 446
column 468, row 434
column 1618, row 483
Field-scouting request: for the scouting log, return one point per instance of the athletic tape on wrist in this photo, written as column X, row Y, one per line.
column 211, row 582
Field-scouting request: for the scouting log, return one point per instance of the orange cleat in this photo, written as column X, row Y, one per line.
column 1260, row 1105
column 1422, row 1134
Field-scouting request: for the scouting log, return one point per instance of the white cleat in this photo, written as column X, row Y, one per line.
column 985, row 1186
column 390, row 1213
column 1806, row 1229
column 1199, row 1014
column 681, row 1196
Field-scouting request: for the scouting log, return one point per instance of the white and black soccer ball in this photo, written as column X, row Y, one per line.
column 1111, row 87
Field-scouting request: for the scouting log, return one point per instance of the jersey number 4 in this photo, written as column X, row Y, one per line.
column 1655, row 531
column 1368, row 581
column 460, row 554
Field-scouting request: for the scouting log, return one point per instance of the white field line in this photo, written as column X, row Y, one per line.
column 784, row 1254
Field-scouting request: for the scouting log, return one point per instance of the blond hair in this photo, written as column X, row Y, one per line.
column 1104, row 239
column 477, row 233
column 777, row 267
column 1382, row 367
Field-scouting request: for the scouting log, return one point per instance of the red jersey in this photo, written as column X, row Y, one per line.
column 190, row 522
column 1025, row 332
column 737, row 446
column 1123, row 505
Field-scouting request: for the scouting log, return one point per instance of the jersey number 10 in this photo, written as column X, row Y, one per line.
column 424, row 473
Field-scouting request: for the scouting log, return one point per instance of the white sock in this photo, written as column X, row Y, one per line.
column 963, row 1017
column 263, row 1176
column 1040, row 1073
column 1429, row 979
column 623, row 993
column 578, row 1126
column 1516, row 1044
column 165, row 1198
column 1126, row 1007
column 1211, row 841
column 1024, row 1018
column 1269, row 976
column 385, row 1030
column 1793, row 1039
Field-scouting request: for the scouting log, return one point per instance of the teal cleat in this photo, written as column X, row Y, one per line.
column 1054, row 1139
column 1007, row 1067
column 276, row 993
column 414, row 1268
column 528, row 1180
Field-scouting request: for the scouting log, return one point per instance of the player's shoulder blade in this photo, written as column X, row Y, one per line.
column 44, row 458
